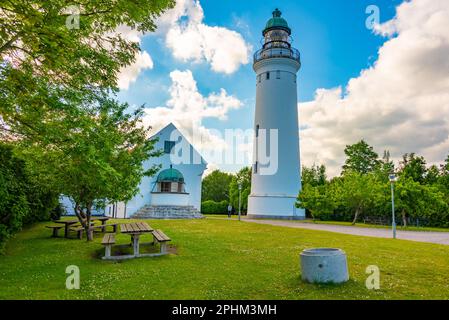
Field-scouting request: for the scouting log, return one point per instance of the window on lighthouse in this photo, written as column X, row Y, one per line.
column 277, row 39
column 278, row 74
column 268, row 76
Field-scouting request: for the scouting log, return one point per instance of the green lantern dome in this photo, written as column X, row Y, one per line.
column 277, row 22
column 170, row 175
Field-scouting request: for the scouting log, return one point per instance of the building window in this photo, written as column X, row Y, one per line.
column 165, row 187
column 268, row 76
column 171, row 187
column 168, row 146
column 259, row 78
column 278, row 74
column 255, row 167
column 257, row 131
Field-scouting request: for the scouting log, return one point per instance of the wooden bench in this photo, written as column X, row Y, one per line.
column 162, row 239
column 79, row 231
column 55, row 230
column 108, row 241
column 103, row 227
column 375, row 220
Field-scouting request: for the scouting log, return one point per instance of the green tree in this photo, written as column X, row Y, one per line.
column 413, row 199
column 432, row 175
column 318, row 200
column 23, row 200
column 385, row 167
column 55, row 84
column 445, row 166
column 99, row 157
column 40, row 35
column 215, row 186
column 413, row 167
column 357, row 192
column 361, row 158
column 13, row 202
column 43, row 60
column 243, row 177
column 314, row 176
column 443, row 180
column 408, row 198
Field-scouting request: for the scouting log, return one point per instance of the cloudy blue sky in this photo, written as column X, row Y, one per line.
column 388, row 85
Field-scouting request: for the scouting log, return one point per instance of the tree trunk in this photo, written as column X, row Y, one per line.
column 404, row 218
column 356, row 215
column 80, row 214
column 89, row 234
column 84, row 219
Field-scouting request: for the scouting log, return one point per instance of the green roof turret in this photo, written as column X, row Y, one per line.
column 170, row 175
column 277, row 22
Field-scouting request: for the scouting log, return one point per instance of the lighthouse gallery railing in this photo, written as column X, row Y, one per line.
column 291, row 53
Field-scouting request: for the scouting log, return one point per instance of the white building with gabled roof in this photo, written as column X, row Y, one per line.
column 174, row 191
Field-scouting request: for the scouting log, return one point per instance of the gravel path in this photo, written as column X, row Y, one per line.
column 420, row 236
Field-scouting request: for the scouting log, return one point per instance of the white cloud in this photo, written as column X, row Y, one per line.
column 190, row 39
column 400, row 104
column 129, row 33
column 129, row 74
column 187, row 108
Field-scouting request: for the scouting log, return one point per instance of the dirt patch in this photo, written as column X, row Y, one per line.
column 172, row 249
column 127, row 249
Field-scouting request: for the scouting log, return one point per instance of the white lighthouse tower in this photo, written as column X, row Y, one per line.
column 276, row 180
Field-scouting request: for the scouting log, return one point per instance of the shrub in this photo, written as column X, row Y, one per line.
column 213, row 207
column 22, row 201
column 215, row 186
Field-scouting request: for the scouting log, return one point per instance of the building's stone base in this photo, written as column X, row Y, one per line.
column 167, row 212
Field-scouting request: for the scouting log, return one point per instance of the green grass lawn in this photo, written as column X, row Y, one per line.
column 220, row 259
column 365, row 225
column 345, row 223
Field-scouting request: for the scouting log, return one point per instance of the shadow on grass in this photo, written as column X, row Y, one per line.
column 124, row 249
column 327, row 285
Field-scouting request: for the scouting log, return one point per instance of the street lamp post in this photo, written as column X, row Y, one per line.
column 240, row 198
column 392, row 178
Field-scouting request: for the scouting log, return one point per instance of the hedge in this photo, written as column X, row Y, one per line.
column 22, row 201
column 212, row 207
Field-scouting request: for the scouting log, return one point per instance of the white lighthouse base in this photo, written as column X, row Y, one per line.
column 274, row 207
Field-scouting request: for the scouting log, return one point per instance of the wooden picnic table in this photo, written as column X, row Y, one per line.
column 69, row 223
column 103, row 221
column 135, row 229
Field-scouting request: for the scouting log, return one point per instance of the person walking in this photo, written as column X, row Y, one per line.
column 229, row 210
